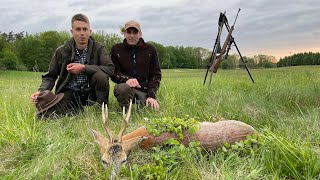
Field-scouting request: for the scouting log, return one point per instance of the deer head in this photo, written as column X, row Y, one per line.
column 114, row 151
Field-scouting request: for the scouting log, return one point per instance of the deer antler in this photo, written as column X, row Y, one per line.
column 126, row 119
column 105, row 121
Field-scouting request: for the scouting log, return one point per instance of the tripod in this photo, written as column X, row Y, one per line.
column 226, row 48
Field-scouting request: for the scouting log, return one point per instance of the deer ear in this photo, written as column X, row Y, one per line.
column 131, row 143
column 100, row 140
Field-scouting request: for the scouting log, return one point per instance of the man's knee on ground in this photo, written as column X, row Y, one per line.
column 100, row 77
column 122, row 89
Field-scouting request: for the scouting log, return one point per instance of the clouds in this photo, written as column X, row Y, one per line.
column 265, row 27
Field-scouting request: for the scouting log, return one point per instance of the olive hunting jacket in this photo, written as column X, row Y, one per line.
column 97, row 60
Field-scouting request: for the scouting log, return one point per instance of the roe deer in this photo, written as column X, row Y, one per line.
column 210, row 135
column 115, row 150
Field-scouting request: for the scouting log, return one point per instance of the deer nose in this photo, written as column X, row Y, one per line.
column 104, row 162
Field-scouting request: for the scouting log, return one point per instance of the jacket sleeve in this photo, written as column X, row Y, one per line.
column 50, row 77
column 118, row 77
column 154, row 76
column 105, row 63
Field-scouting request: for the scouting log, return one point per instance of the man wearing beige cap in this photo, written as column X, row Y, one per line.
column 137, row 68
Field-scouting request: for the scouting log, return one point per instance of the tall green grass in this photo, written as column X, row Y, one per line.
column 283, row 106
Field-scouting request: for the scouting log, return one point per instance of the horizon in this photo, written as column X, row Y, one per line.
column 233, row 50
column 274, row 28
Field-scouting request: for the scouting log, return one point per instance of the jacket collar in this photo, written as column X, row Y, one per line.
column 70, row 46
column 137, row 46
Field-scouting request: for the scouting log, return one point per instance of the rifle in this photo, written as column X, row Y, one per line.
column 217, row 61
column 217, row 46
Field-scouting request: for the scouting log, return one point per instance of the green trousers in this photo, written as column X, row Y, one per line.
column 123, row 92
column 73, row 100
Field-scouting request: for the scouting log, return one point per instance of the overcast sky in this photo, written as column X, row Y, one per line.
column 271, row 27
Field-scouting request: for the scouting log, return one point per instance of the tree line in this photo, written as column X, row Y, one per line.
column 33, row 52
column 300, row 59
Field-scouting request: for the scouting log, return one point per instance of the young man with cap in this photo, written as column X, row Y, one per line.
column 137, row 68
column 82, row 68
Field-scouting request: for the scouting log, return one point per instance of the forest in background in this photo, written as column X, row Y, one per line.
column 33, row 52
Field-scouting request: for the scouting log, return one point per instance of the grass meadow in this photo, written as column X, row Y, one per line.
column 283, row 106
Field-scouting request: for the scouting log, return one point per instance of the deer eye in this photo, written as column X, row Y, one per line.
column 124, row 161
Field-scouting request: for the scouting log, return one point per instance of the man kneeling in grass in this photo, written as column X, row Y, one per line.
column 137, row 69
column 82, row 68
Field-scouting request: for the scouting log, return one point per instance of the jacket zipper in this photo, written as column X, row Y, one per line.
column 134, row 58
column 134, row 64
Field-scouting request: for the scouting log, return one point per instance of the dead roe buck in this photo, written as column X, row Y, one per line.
column 210, row 135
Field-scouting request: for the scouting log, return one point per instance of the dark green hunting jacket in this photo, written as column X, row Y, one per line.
column 97, row 60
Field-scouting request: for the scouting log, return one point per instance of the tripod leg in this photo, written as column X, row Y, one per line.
column 245, row 65
column 212, row 67
column 211, row 74
column 205, row 77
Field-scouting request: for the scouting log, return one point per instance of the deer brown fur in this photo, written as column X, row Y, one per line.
column 210, row 135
